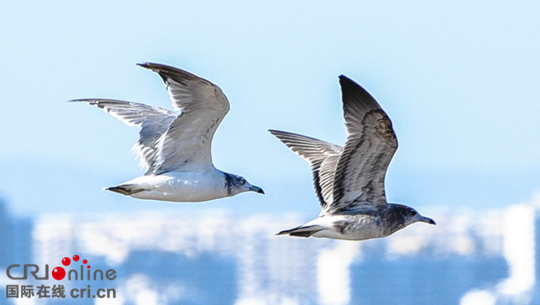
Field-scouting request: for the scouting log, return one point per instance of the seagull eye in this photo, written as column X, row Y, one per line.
column 242, row 181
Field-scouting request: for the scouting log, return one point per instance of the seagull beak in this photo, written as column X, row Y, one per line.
column 256, row 189
column 427, row 220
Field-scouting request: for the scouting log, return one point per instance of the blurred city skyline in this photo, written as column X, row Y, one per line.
column 214, row 258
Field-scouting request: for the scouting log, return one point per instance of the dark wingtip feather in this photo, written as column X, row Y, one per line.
column 157, row 67
column 151, row 65
column 344, row 78
column 355, row 97
column 167, row 72
column 347, row 83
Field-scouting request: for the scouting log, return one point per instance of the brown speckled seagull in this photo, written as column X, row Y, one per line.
column 349, row 181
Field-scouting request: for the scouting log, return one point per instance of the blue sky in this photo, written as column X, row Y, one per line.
column 458, row 79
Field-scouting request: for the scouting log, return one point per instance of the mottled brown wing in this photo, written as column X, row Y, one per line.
column 361, row 169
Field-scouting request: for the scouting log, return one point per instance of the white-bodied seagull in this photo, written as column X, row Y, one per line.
column 349, row 181
column 176, row 147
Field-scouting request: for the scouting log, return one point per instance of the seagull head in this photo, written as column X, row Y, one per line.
column 236, row 184
column 411, row 216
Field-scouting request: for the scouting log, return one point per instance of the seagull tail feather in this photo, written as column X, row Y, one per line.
column 124, row 189
column 301, row 231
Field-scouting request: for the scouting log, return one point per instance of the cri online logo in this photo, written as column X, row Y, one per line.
column 59, row 273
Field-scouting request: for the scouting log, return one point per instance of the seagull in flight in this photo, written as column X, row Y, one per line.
column 349, row 181
column 175, row 147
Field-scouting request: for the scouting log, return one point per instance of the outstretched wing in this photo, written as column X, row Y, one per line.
column 323, row 158
column 170, row 141
column 154, row 121
column 186, row 145
column 361, row 169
